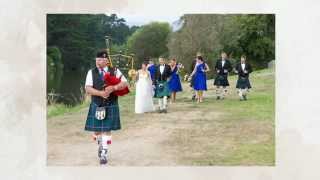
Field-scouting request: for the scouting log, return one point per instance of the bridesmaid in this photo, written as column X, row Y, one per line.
column 200, row 79
column 174, row 82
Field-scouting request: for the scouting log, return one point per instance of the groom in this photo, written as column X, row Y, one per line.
column 160, row 80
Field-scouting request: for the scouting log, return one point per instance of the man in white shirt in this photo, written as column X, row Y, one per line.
column 162, row 92
column 118, row 73
column 223, row 67
column 103, row 116
column 243, row 69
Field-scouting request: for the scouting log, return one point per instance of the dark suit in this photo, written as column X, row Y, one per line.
column 241, row 72
column 222, row 76
column 161, row 81
column 164, row 76
column 243, row 78
column 227, row 66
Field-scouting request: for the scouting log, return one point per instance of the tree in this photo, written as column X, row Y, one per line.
column 79, row 36
column 210, row 34
column 72, row 42
column 149, row 41
column 205, row 33
column 54, row 68
column 257, row 38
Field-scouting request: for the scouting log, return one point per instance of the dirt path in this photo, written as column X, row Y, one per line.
column 143, row 143
column 210, row 133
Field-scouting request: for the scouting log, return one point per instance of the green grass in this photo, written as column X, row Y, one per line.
column 244, row 132
column 261, row 102
column 227, row 133
column 62, row 109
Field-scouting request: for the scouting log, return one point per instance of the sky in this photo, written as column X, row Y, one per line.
column 142, row 19
column 143, row 12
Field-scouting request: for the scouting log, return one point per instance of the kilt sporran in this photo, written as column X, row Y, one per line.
column 100, row 113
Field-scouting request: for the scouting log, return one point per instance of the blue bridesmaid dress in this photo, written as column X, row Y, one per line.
column 174, row 82
column 200, row 79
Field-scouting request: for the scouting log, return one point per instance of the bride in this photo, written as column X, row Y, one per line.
column 144, row 91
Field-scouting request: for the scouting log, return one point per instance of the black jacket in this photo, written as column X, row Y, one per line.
column 164, row 76
column 227, row 66
column 241, row 72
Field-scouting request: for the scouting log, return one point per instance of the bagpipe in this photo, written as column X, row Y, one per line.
column 111, row 80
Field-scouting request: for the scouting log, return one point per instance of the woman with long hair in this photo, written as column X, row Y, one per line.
column 200, row 79
column 174, row 82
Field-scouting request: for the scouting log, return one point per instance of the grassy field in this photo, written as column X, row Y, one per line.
column 227, row 132
column 61, row 109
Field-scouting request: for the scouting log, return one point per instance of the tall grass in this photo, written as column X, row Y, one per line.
column 56, row 109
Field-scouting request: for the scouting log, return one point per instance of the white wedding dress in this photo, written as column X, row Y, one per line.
column 144, row 93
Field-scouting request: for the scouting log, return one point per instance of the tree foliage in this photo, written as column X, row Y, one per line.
column 253, row 35
column 54, row 67
column 149, row 41
column 79, row 36
column 257, row 37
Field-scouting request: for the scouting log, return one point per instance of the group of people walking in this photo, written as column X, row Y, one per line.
column 162, row 81
column 159, row 81
column 222, row 69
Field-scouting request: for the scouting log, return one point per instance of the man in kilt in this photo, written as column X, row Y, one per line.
column 160, row 80
column 223, row 67
column 103, row 116
column 243, row 69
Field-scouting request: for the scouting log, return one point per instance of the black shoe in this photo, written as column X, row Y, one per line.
column 103, row 160
column 103, row 156
column 193, row 97
column 218, row 97
column 244, row 97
